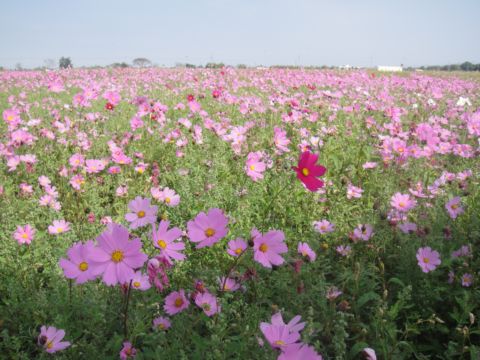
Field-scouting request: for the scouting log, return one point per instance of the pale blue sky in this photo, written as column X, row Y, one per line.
column 253, row 32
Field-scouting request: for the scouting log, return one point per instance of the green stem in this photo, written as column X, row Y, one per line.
column 125, row 313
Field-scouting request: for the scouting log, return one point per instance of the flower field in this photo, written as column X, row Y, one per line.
column 239, row 214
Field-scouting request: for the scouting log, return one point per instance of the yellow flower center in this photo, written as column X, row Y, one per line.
column 141, row 214
column 209, row 232
column 323, row 227
column 401, row 204
column 280, row 342
column 140, row 170
column 238, row 251
column 60, row 229
column 161, row 326
column 252, row 167
column 454, row 206
column 167, row 200
column 206, row 307
column 305, row 172
column 304, row 253
column 136, row 284
column 117, row 256
column 24, row 236
column 263, row 248
column 426, row 260
column 83, row 266
column 178, row 302
column 226, row 287
column 49, row 345
column 162, row 244
column 401, row 150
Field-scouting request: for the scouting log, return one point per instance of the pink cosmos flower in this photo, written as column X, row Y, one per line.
column 369, row 165
column 280, row 139
column 308, row 171
column 363, row 232
column 140, row 281
column 161, row 323
column 354, row 192
column 77, row 181
column 299, row 352
column 94, row 166
column 208, row 303
column 254, row 167
column 112, row 97
column 142, row 213
column 115, row 256
column 157, row 272
column 293, row 325
column 228, row 284
column 176, row 302
column 58, row 227
column 208, row 229
column 128, row 351
column 77, row 266
column 344, row 250
column 51, row 339
column 267, row 248
column 467, row 280
column 76, row 160
column 428, row 259
column 324, row 226
column 24, row 234
column 333, row 292
column 165, row 240
column 306, row 251
column 279, row 336
column 408, row 227
column 168, row 196
column 236, row 247
column 454, row 207
column 402, row 202
column 370, row 354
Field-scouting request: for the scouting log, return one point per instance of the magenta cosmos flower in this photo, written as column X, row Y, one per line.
column 24, row 234
column 51, row 339
column 58, row 227
column 254, row 167
column 176, row 302
column 142, row 213
column 279, row 336
column 308, row 171
column 208, row 303
column 428, row 259
column 363, row 232
column 161, row 323
column 164, row 240
column 299, row 351
column 77, row 265
column 140, row 281
column 293, row 325
column 454, row 207
column 236, row 247
column 128, row 351
column 115, row 256
column 402, row 202
column 267, row 248
column 306, row 251
column 208, row 229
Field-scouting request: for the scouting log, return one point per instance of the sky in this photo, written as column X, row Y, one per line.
column 251, row 32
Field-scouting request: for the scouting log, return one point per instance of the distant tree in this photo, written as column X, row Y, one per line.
column 65, row 63
column 241, row 66
column 141, row 62
column 467, row 66
column 18, row 66
column 212, row 65
column 120, row 65
column 190, row 66
column 49, row 63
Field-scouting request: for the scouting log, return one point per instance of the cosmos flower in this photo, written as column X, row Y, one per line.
column 308, row 172
column 142, row 212
column 165, row 240
column 267, row 248
column 140, row 281
column 128, row 351
column 299, row 351
column 323, row 226
column 236, row 247
column 228, row 284
column 77, row 266
column 208, row 229
column 50, row 339
column 454, row 207
column 279, row 336
column 254, row 166
column 354, row 192
column 402, row 202
column 116, row 257
column 58, row 227
column 161, row 323
column 208, row 303
column 305, row 250
column 24, row 234
column 363, row 232
column 176, row 302
column 428, row 259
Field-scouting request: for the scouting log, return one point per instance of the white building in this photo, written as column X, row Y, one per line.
column 390, row 68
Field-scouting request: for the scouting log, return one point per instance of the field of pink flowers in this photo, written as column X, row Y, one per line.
column 239, row 214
